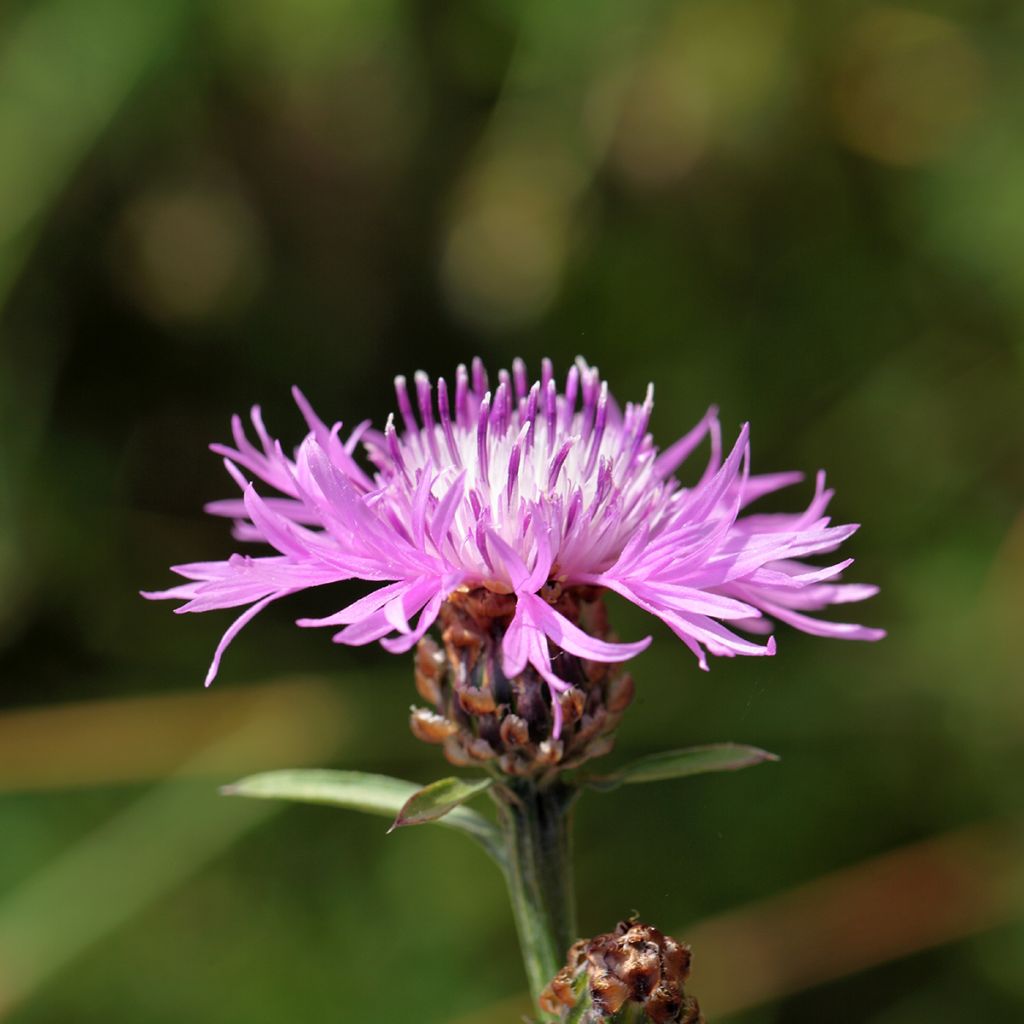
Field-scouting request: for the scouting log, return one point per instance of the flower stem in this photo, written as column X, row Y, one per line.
column 536, row 823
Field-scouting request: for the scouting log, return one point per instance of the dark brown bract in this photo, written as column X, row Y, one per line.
column 637, row 963
column 479, row 714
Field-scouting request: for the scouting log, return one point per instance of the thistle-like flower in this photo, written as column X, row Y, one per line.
column 527, row 493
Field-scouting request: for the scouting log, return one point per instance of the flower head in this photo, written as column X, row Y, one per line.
column 514, row 488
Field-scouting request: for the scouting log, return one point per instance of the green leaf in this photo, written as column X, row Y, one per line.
column 438, row 799
column 584, row 1004
column 361, row 791
column 677, row 764
column 631, row 1013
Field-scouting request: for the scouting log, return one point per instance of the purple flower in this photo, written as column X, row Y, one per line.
column 509, row 488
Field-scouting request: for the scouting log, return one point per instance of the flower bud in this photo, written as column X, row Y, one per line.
column 637, row 964
column 479, row 714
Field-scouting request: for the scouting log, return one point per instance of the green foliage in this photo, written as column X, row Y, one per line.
column 679, row 764
column 397, row 799
column 438, row 799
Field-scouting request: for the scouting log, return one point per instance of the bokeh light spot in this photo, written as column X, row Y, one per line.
column 907, row 84
column 507, row 242
column 188, row 253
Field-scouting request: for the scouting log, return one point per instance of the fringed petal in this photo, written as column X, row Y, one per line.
column 513, row 488
column 572, row 639
column 234, row 629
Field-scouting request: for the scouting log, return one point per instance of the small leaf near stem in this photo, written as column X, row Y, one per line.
column 436, row 800
column 678, row 764
column 362, row 791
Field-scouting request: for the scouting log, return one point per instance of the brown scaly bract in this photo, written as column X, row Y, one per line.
column 636, row 962
column 479, row 714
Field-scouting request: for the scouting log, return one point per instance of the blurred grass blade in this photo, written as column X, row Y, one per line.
column 363, row 791
column 67, row 67
column 292, row 720
column 678, row 764
column 118, row 869
column 438, row 799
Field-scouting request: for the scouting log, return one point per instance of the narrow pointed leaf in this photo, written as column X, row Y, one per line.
column 678, row 764
column 362, row 791
column 438, row 799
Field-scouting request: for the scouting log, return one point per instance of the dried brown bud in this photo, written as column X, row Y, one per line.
column 561, row 991
column 635, row 963
column 430, row 727
column 477, row 702
column 514, row 731
column 609, row 994
column 479, row 714
column 430, row 669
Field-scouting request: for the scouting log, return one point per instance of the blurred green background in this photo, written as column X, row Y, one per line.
column 811, row 214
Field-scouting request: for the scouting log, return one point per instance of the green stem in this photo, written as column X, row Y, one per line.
column 536, row 823
column 631, row 1013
